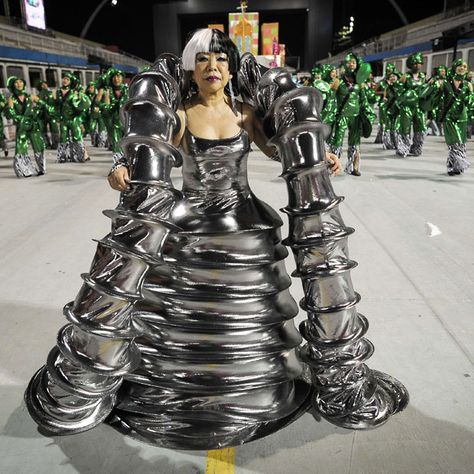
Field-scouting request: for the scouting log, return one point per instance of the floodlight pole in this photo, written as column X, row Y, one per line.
column 92, row 17
column 6, row 7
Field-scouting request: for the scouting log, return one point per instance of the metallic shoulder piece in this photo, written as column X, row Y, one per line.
column 347, row 392
column 77, row 388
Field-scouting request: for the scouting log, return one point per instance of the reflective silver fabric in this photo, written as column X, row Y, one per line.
column 348, row 393
column 218, row 363
column 77, row 388
column 182, row 334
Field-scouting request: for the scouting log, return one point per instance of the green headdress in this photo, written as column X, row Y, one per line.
column 11, row 83
column 416, row 58
column 111, row 72
column 452, row 71
column 389, row 67
column 316, row 71
column 73, row 78
column 349, row 57
column 326, row 72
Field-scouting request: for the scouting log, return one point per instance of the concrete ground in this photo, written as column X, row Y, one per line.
column 414, row 242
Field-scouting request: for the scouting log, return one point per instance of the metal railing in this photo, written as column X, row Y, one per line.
column 17, row 37
column 419, row 32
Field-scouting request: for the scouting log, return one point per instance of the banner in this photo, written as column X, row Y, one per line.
column 33, row 13
column 243, row 31
column 269, row 36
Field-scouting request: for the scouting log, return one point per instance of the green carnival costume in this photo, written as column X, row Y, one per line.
column 390, row 110
column 410, row 112
column 70, row 103
column 48, row 117
column 93, row 121
column 353, row 113
column 25, row 113
column 3, row 141
column 116, row 94
column 454, row 100
column 433, row 123
column 380, row 94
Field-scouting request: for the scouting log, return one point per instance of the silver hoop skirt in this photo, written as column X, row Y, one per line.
column 218, row 363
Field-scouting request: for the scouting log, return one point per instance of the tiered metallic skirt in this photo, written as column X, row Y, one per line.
column 218, row 364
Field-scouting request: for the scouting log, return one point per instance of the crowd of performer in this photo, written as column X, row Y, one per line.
column 60, row 119
column 407, row 104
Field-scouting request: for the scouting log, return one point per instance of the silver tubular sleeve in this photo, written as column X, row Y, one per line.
column 76, row 389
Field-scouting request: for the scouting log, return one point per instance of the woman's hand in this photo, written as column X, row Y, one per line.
column 334, row 164
column 119, row 179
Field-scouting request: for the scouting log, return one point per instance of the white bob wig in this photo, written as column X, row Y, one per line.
column 207, row 40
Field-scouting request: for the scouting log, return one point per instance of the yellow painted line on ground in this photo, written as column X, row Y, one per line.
column 221, row 461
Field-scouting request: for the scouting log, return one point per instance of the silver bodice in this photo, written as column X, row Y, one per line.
column 216, row 189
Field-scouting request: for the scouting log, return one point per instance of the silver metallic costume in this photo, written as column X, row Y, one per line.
column 182, row 334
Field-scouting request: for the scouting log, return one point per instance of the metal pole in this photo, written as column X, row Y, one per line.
column 399, row 11
column 6, row 7
column 91, row 18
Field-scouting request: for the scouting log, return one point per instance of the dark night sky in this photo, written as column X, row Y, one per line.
column 129, row 25
column 373, row 18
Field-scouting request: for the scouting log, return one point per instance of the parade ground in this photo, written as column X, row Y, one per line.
column 414, row 243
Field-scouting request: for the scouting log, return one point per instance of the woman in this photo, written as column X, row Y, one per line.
column 453, row 99
column 115, row 96
column 215, row 136
column 25, row 111
column 71, row 103
column 200, row 277
column 353, row 113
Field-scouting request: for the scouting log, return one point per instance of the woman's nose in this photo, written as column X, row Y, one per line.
column 212, row 64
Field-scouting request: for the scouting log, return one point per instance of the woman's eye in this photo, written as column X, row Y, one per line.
column 201, row 59
column 222, row 58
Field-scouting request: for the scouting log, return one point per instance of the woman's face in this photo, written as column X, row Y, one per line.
column 211, row 72
column 461, row 69
column 19, row 84
column 333, row 74
column 117, row 80
column 351, row 65
column 66, row 81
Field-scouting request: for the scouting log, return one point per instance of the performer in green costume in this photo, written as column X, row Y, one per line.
column 49, row 117
column 70, row 103
column 353, row 113
column 410, row 112
column 380, row 93
column 25, row 111
column 92, row 117
column 389, row 108
column 454, row 99
column 115, row 95
column 3, row 141
column 433, row 123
